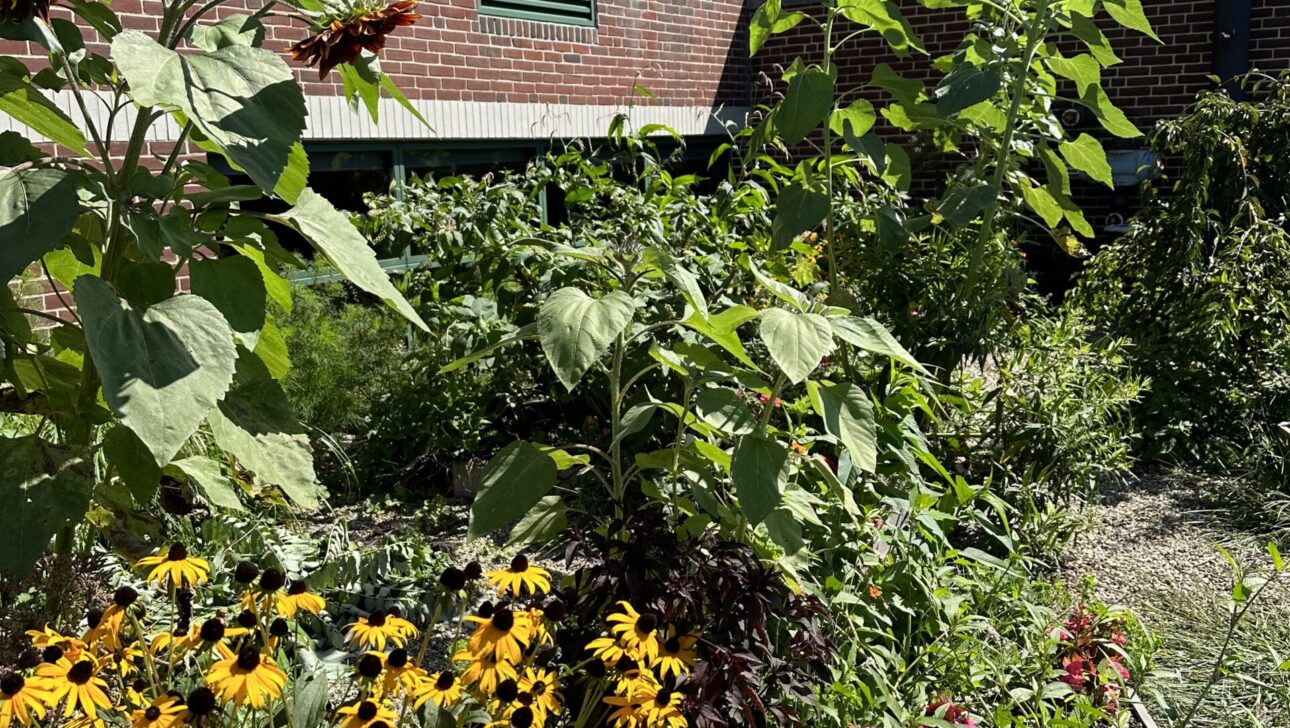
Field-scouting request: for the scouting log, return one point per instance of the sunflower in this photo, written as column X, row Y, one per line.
column 364, row 713
column 443, row 688
column 163, row 713
column 338, row 40
column 22, row 699
column 505, row 634
column 247, row 678
column 638, row 632
column 299, row 599
column 676, row 655
column 77, row 681
column 660, row 708
column 541, row 685
column 522, row 575
column 485, row 671
column 176, row 568
column 374, row 630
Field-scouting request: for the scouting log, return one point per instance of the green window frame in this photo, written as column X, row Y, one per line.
column 565, row 12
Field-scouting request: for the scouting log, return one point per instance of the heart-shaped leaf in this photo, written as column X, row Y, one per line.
column 37, row 208
column 848, row 416
column 759, row 469
column 515, row 480
column 576, row 329
column 44, row 488
column 163, row 368
column 796, row 341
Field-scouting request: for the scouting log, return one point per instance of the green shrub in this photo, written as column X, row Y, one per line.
column 1051, row 415
column 1201, row 285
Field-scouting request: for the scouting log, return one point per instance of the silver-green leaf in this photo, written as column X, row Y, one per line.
column 576, row 329
column 796, row 341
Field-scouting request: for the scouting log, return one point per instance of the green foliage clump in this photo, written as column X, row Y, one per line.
column 1201, row 286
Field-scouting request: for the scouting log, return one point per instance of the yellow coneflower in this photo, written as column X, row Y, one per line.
column 541, row 686
column 247, row 678
column 77, row 681
column 541, row 636
column 676, row 655
column 364, row 713
column 374, row 630
column 21, row 699
column 176, row 568
column 634, row 678
column 206, row 636
column 406, row 629
column 399, row 676
column 124, row 661
column 520, row 576
column 608, row 650
column 485, row 671
column 660, row 708
column 299, row 599
column 627, row 711
column 638, row 632
column 504, row 634
column 86, row 721
column 163, row 713
column 441, row 688
column 136, row 692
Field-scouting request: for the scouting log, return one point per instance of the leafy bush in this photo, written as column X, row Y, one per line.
column 1201, row 286
column 1050, row 416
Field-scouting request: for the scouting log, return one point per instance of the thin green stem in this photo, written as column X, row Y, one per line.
column 615, row 421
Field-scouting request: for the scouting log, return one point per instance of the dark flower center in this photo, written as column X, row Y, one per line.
column 81, row 672
column 507, row 690
column 525, row 698
column 520, row 563
column 212, row 630
column 124, row 597
column 446, row 680
column 522, row 718
column 380, row 724
column 394, row 611
column 473, row 571
column 626, row 664
column 272, row 580
column 279, row 628
column 138, row 685
column 486, row 610
column 246, row 572
column 248, row 658
column 397, row 658
column 152, row 713
column 298, row 587
column 11, row 683
column 52, row 654
column 538, row 688
column 672, row 645
column 366, row 710
column 453, row 579
column 376, row 618
column 177, row 552
column 246, row 619
column 93, row 617
column 647, row 623
column 369, row 666
column 554, row 610
column 201, row 701
column 663, row 698
column 29, row 658
column 504, row 619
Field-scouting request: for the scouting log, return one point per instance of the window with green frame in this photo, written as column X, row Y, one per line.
column 569, row 12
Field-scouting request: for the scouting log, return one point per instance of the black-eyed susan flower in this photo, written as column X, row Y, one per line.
column 162, row 713
column 400, row 676
column 46, row 638
column 504, row 635
column 200, row 703
column 521, row 576
column 136, row 692
column 374, row 631
column 175, row 567
column 206, row 636
column 485, row 671
column 637, row 632
column 364, row 714
column 247, row 678
column 541, row 636
column 627, row 711
column 299, row 599
column 676, row 655
column 78, row 682
column 634, row 678
column 542, row 686
column 441, row 688
column 608, row 650
column 406, row 629
column 21, row 699
column 661, row 708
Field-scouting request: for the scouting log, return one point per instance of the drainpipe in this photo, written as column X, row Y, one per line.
column 1231, row 43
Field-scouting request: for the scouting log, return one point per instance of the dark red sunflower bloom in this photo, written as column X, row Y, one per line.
column 341, row 40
